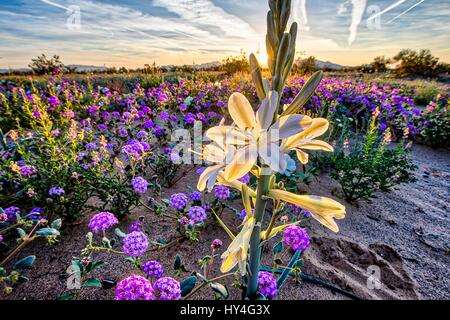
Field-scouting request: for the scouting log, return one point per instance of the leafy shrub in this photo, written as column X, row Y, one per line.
column 371, row 165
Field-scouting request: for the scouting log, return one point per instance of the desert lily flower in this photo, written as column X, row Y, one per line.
column 323, row 209
column 255, row 135
column 307, row 140
column 219, row 154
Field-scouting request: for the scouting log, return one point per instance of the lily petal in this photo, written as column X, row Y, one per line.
column 242, row 163
column 322, row 209
column 208, row 177
column 315, row 145
column 318, row 127
column 241, row 111
column 272, row 156
column 223, row 135
column 302, row 156
column 290, row 125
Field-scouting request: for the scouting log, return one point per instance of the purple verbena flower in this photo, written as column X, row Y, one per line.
column 197, row 214
column 134, row 288
column 167, row 289
column 56, row 191
column 36, row 214
column 12, row 213
column 102, row 221
column 221, row 192
column 267, row 284
column 195, row 196
column 153, row 269
column 135, row 244
column 178, row 201
column 245, row 179
column 296, row 238
column 139, row 184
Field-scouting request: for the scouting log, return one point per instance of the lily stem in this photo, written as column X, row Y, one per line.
column 255, row 250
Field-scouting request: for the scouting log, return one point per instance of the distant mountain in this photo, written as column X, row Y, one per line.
column 208, row 65
column 77, row 67
column 3, row 71
column 329, row 65
column 86, row 68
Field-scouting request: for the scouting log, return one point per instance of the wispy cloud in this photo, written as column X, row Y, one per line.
column 135, row 32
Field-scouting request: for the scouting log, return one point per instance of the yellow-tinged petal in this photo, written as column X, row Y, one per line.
column 315, row 145
column 303, row 157
column 241, row 111
column 323, row 209
column 235, row 184
column 237, row 251
column 318, row 127
column 229, row 263
column 242, row 163
column 246, row 200
column 290, row 125
column 224, row 135
column 208, row 177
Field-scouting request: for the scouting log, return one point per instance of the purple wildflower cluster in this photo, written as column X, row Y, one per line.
column 197, row 214
column 296, row 238
column 139, row 184
column 102, row 221
column 134, row 288
column 36, row 213
column 135, row 149
column 56, row 191
column 135, row 244
column 178, row 201
column 153, row 269
column 167, row 289
column 12, row 213
column 221, row 192
column 196, row 196
column 267, row 284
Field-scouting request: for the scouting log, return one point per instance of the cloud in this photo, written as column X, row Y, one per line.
column 136, row 32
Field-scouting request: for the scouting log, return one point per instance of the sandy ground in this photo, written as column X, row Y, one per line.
column 403, row 234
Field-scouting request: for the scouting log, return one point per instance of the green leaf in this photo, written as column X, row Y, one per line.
column 56, row 224
column 120, row 233
column 24, row 263
column 21, row 232
column 47, row 232
column 67, row 296
column 278, row 247
column 22, row 279
column 92, row 282
column 177, row 263
column 220, row 289
column 305, row 94
column 187, row 285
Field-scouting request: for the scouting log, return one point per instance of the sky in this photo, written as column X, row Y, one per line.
column 138, row 32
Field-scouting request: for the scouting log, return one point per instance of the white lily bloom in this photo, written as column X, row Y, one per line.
column 255, row 135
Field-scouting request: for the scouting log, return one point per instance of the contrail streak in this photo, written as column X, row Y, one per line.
column 405, row 12
column 392, row 6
